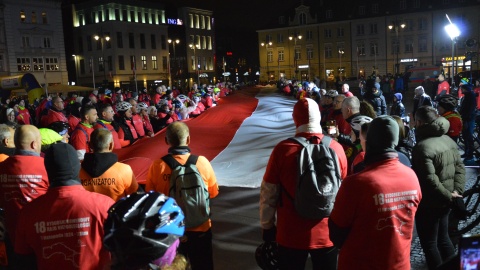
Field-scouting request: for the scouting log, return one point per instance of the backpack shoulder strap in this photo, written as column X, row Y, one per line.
column 300, row 140
column 326, row 140
column 84, row 132
column 192, row 159
column 171, row 161
column 102, row 124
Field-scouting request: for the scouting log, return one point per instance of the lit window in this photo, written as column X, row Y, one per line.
column 44, row 17
column 34, row 17
column 144, row 62
column 22, row 16
column 154, row 63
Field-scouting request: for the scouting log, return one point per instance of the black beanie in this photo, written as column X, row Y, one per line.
column 382, row 136
column 61, row 163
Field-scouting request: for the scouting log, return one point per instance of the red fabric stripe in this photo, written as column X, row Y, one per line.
column 210, row 133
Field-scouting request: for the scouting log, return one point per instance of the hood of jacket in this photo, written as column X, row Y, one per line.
column 437, row 128
column 95, row 164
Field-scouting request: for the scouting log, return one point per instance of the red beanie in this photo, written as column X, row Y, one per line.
column 306, row 116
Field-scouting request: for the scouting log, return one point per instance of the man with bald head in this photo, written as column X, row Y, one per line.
column 7, row 146
column 102, row 173
column 23, row 177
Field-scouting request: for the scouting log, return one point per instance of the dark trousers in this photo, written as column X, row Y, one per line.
column 467, row 134
column 197, row 248
column 295, row 259
column 432, row 229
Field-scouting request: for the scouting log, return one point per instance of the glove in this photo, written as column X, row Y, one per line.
column 269, row 235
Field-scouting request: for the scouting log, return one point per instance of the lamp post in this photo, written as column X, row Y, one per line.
column 454, row 33
column 195, row 62
column 173, row 42
column 268, row 44
column 103, row 38
column 296, row 55
column 340, row 53
column 76, row 69
column 396, row 25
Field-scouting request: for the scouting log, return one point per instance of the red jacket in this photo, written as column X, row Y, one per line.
column 53, row 116
column 138, row 124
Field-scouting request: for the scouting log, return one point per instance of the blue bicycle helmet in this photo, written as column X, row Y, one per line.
column 140, row 228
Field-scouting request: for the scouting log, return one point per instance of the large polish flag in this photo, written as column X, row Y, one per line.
column 237, row 136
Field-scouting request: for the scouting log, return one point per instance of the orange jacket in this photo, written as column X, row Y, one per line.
column 158, row 179
column 116, row 182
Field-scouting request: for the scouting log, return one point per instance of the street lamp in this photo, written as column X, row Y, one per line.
column 396, row 25
column 266, row 48
column 173, row 42
column 103, row 38
column 296, row 56
column 340, row 53
column 454, row 33
column 195, row 62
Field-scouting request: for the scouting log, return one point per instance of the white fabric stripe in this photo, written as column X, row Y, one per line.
column 242, row 163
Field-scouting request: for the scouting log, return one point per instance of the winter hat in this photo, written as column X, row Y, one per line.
column 9, row 111
column 331, row 93
column 377, row 85
column 61, row 162
column 108, row 92
column 306, row 116
column 398, row 96
column 382, row 136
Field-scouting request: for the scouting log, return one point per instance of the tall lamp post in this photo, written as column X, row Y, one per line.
column 340, row 53
column 103, row 38
column 454, row 33
column 266, row 48
column 396, row 25
column 195, row 62
column 173, row 42
column 296, row 54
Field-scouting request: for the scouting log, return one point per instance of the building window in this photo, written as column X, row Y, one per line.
column 117, row 14
column 375, row 8
column 34, row 17
column 100, row 64
column 109, row 62
column 416, row 3
column 51, row 63
column 298, row 53
column 281, row 20
column 89, row 43
column 281, row 55
column 309, row 34
column 100, row 16
column 131, row 41
column 373, row 49
column 373, row 29
column 328, row 51
column 197, row 22
column 361, row 48
column 163, row 40
column 133, row 63
column 270, row 56
column 328, row 33
column 144, row 62
column 202, row 22
column 46, row 42
column 142, row 41
column 139, row 17
column 360, row 30
column 422, row 24
column 395, row 47
column 82, row 66
column 154, row 63
column 402, row 4
column 409, row 46
column 23, row 18
column 340, row 32
column 209, row 26
column 279, row 38
column 99, row 44
column 132, row 16
column 361, row 10
column 164, row 63
column 121, row 62
column 209, row 40
column 119, row 40
column 422, row 44
column 153, row 42
column 37, row 63
column 302, row 18
column 309, row 53
column 124, row 15
column 190, row 19
column 204, row 43
column 44, row 17
column 26, row 42
column 329, row 14
column 268, row 38
column 23, row 64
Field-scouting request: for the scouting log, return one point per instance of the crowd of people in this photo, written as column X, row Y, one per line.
column 62, row 182
column 402, row 167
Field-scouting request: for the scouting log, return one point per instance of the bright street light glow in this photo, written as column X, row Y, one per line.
column 452, row 31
